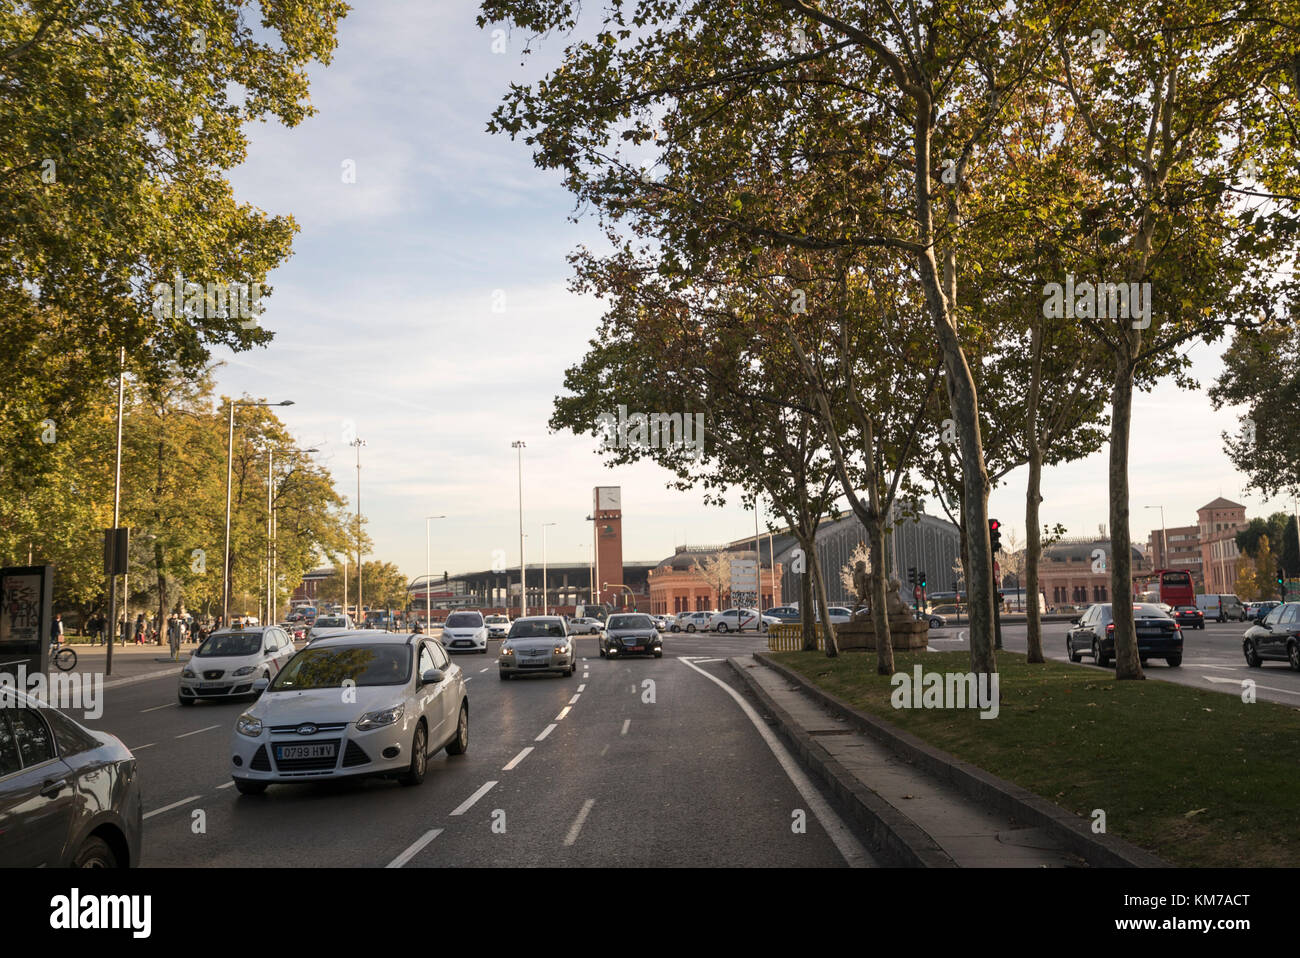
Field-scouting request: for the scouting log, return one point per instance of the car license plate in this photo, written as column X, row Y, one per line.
column 212, row 685
column 304, row 751
column 635, row 648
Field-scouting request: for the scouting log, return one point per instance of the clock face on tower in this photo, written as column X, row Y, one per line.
column 608, row 498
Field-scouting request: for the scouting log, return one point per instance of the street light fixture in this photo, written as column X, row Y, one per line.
column 359, row 443
column 428, row 573
column 230, row 453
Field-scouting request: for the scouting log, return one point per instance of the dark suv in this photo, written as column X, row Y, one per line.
column 1158, row 635
column 1274, row 638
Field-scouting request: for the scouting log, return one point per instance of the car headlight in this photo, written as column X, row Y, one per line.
column 380, row 718
column 248, row 725
column 246, row 670
column 187, row 673
column 506, row 650
column 561, row 649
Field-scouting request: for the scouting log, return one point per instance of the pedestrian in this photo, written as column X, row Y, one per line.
column 194, row 631
column 139, row 629
column 56, row 630
column 174, row 636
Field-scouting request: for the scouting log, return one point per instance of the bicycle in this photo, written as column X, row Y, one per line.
column 64, row 658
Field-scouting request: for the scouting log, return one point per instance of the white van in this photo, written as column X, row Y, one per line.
column 1221, row 607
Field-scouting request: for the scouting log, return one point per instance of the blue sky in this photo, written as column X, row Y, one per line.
column 385, row 322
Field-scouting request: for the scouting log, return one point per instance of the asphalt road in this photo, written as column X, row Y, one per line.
column 1212, row 658
column 636, row 762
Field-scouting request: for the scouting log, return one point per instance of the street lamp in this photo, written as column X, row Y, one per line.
column 545, row 607
column 230, row 453
column 1164, row 538
column 519, row 446
column 359, row 443
column 428, row 573
column 595, row 557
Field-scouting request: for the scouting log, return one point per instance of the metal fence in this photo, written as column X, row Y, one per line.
column 789, row 638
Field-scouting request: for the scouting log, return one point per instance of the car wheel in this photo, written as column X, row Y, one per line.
column 184, row 701
column 659, row 655
column 1293, row 654
column 460, row 743
column 1069, row 651
column 414, row 773
column 504, row 676
column 245, row 787
column 722, row 627
column 1173, row 661
column 1252, row 655
column 690, row 628
column 94, row 853
column 601, row 650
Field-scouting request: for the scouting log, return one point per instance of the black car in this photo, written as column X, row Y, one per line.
column 1275, row 638
column 69, row 797
column 630, row 634
column 1158, row 635
column 1189, row 615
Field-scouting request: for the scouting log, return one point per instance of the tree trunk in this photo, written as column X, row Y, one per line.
column 828, row 630
column 879, row 606
column 1033, row 498
column 807, row 618
column 1127, row 663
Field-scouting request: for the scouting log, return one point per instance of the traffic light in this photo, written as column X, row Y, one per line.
column 911, row 575
column 1281, row 583
column 995, row 535
column 922, row 578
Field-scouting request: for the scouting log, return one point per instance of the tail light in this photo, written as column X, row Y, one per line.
column 1110, row 628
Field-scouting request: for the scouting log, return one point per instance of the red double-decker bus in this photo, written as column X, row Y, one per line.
column 1173, row 587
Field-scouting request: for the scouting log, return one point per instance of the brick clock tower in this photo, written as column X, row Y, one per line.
column 608, row 530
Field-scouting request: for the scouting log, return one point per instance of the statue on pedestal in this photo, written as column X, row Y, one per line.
column 862, row 586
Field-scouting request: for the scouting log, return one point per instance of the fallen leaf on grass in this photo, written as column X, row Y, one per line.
column 1194, row 811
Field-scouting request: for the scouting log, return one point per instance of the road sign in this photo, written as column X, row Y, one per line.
column 744, row 575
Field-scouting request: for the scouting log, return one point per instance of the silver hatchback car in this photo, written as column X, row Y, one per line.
column 537, row 643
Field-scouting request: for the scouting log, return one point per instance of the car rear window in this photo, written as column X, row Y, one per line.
column 463, row 620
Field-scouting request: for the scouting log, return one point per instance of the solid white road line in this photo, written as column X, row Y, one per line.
column 517, row 759
column 136, row 748
column 575, row 698
column 545, row 732
column 168, row 808
column 197, row 731
column 849, row 847
column 157, row 707
column 414, row 850
column 1267, row 688
column 707, row 660
column 563, row 712
column 572, row 837
column 464, row 806
column 626, row 723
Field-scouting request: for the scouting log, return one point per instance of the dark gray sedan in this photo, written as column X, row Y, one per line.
column 69, row 797
column 631, row 634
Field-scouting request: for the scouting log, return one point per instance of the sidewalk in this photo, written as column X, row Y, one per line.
column 917, row 818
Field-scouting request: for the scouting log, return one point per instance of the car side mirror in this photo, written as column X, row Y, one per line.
column 260, row 684
column 1074, row 621
column 432, row 676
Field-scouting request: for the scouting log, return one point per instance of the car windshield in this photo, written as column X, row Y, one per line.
column 331, row 668
column 536, row 629
column 225, row 644
column 496, row 619
column 630, row 622
column 463, row 620
column 331, row 622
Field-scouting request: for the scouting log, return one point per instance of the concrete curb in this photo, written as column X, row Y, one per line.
column 1007, row 798
column 894, row 836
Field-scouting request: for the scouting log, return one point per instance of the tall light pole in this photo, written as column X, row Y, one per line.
column 428, row 573
column 545, row 607
column 230, row 454
column 345, row 588
column 359, row 443
column 1164, row 538
column 111, row 632
column 595, row 557
column 519, row 446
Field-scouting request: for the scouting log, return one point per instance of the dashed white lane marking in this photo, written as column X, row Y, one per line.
column 1208, row 665
column 136, row 748
column 157, row 707
column 517, row 759
column 481, row 671
column 414, row 848
column 575, row 698
column 576, row 827
column 563, row 712
column 854, row 854
column 582, row 687
column 604, row 750
column 229, row 784
column 545, row 732
column 465, row 806
column 168, row 808
column 197, row 731
column 626, row 723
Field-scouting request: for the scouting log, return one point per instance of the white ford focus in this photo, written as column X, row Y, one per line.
column 354, row 704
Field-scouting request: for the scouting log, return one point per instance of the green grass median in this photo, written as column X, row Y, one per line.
column 1196, row 777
